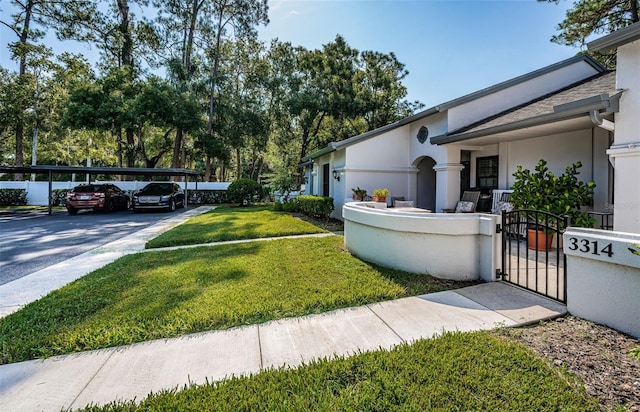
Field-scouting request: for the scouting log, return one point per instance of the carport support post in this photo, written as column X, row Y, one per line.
column 186, row 189
column 50, row 191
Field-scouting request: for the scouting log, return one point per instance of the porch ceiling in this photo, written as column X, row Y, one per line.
column 549, row 129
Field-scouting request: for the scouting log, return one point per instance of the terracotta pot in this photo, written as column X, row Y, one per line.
column 357, row 197
column 544, row 240
column 380, row 199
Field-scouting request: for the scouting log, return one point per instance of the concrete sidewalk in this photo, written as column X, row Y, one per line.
column 102, row 376
column 132, row 372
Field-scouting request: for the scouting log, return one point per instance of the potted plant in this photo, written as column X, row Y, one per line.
column 359, row 194
column 562, row 195
column 380, row 195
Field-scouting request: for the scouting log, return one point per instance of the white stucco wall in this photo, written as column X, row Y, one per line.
column 429, row 243
column 560, row 150
column 628, row 79
column 625, row 152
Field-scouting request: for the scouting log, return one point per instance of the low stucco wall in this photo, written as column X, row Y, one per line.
column 603, row 277
column 447, row 246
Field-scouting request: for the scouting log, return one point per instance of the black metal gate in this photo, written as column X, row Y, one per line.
column 532, row 256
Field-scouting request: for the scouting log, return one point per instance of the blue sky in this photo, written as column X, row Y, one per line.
column 451, row 48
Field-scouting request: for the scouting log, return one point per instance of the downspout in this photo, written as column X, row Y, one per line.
column 597, row 120
column 605, row 124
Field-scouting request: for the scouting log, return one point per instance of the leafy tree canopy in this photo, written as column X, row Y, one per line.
column 595, row 17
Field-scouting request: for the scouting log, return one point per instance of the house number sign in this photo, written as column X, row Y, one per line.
column 590, row 246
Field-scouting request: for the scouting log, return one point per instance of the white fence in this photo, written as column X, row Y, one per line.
column 37, row 191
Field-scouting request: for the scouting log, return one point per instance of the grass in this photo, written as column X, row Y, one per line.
column 233, row 223
column 170, row 293
column 458, row 371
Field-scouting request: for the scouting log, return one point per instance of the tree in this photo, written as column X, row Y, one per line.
column 595, row 17
column 29, row 23
column 195, row 30
column 381, row 91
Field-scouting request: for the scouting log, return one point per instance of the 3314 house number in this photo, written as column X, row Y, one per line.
column 590, row 246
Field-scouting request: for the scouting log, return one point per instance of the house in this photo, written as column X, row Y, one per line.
column 574, row 110
column 563, row 113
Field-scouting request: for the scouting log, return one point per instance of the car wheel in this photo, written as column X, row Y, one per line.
column 72, row 211
column 172, row 205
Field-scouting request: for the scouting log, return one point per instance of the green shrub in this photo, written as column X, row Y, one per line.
column 13, row 197
column 208, row 197
column 289, row 206
column 318, row 206
column 59, row 197
column 562, row 195
column 244, row 192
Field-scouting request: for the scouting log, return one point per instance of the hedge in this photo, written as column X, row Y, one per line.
column 13, row 197
column 207, row 197
column 317, row 206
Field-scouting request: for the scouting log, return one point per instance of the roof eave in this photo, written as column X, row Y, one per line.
column 310, row 158
column 616, row 39
column 333, row 146
column 561, row 112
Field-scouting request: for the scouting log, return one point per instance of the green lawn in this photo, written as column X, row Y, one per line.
column 233, row 223
column 170, row 293
column 459, row 371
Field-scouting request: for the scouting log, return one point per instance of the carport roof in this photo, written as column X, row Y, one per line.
column 130, row 171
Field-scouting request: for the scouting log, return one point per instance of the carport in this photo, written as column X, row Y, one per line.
column 121, row 171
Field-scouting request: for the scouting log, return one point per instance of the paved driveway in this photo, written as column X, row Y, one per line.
column 32, row 241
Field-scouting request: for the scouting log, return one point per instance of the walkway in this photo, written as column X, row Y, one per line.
column 102, row 376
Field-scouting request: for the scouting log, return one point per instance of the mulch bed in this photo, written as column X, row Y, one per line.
column 599, row 355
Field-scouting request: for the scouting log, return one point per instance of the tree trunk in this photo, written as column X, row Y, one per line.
column 177, row 149
column 207, row 168
column 19, row 149
column 238, row 164
column 22, row 70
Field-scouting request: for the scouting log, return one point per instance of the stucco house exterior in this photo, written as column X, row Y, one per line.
column 562, row 113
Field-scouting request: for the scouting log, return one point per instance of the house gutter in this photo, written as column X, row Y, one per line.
column 603, row 102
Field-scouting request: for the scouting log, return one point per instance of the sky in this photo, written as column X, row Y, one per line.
column 450, row 47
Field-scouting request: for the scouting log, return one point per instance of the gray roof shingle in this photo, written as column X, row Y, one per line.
column 599, row 84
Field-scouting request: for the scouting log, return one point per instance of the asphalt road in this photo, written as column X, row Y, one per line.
column 34, row 240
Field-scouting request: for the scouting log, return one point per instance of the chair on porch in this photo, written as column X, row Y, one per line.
column 467, row 203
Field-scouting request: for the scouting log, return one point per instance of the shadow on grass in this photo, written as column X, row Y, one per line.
column 420, row 284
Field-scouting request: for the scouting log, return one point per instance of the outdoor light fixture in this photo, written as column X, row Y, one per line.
column 336, row 175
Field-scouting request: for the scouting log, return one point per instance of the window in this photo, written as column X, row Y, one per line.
column 487, row 172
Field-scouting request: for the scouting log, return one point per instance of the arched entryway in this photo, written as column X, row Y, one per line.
column 426, row 180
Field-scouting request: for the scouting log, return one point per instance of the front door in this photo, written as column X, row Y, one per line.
column 325, row 179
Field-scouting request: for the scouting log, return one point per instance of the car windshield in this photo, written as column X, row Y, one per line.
column 157, row 189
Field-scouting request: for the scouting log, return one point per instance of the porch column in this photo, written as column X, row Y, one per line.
column 447, row 185
column 626, row 160
column 625, row 151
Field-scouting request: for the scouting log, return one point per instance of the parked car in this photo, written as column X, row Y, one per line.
column 161, row 195
column 97, row 196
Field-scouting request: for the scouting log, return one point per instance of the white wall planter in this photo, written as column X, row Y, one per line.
column 603, row 277
column 448, row 246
